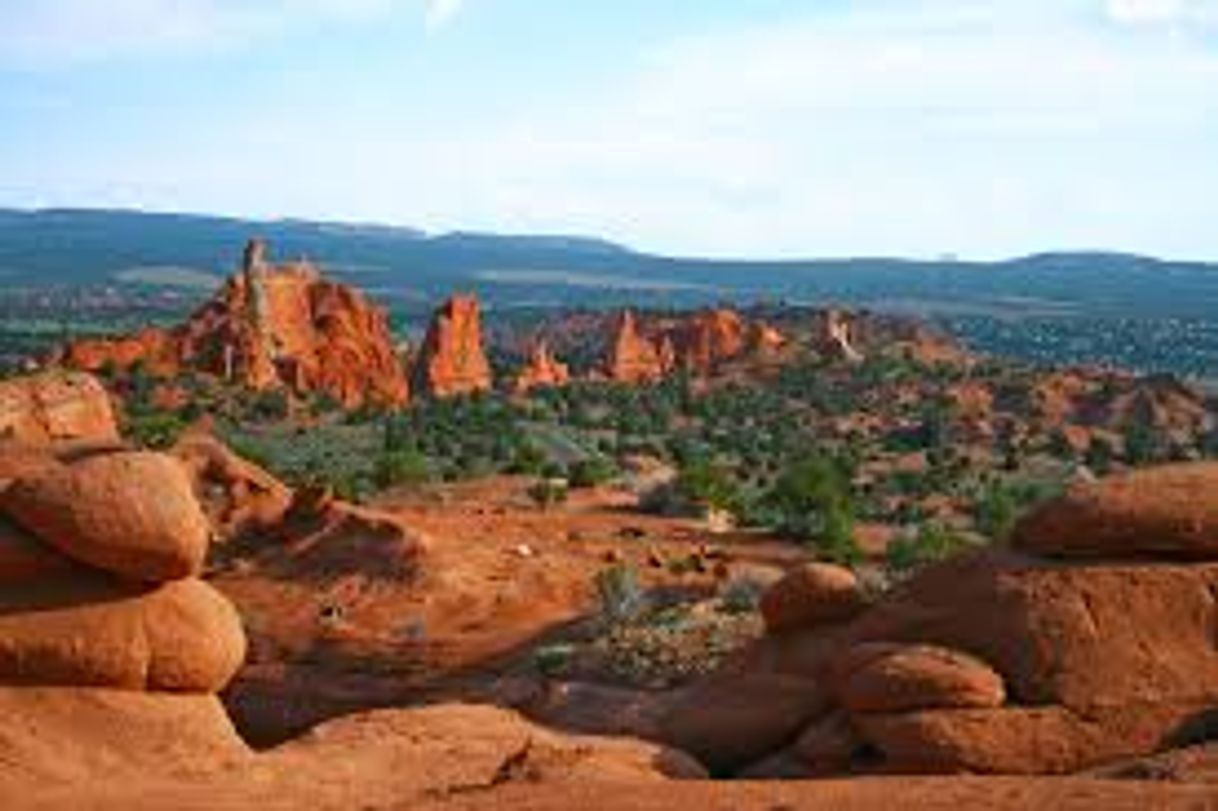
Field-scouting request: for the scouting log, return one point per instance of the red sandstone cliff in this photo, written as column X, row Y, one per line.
column 451, row 361
column 698, row 343
column 270, row 327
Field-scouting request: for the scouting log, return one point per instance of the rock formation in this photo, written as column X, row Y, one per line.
column 699, row 343
column 451, row 360
column 764, row 339
column 1002, row 661
column 270, row 327
column 542, row 370
column 109, row 548
column 706, row 339
column 834, row 337
column 633, row 358
column 56, row 407
column 238, row 497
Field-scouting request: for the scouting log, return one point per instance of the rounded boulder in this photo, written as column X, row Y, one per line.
column 1169, row 511
column 85, row 629
column 810, row 595
column 903, row 678
column 133, row 514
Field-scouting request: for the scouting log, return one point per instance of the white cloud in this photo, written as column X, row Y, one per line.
column 1160, row 12
column 58, row 33
column 983, row 127
column 921, row 127
column 441, row 13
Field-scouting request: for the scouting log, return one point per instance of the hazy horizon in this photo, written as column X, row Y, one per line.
column 984, row 129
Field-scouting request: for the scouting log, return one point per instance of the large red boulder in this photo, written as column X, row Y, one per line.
column 728, row 723
column 810, row 595
column 901, row 678
column 57, row 736
column 23, row 558
column 1169, row 511
column 133, row 514
column 56, row 406
column 82, row 629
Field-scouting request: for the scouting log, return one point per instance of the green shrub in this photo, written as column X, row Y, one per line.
column 548, row 493
column 620, row 595
column 154, row 429
column 552, row 660
column 394, row 468
column 932, row 542
column 741, row 595
column 591, row 472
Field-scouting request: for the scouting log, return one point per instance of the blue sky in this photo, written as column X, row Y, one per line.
column 982, row 128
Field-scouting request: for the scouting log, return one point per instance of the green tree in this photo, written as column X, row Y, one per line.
column 813, row 500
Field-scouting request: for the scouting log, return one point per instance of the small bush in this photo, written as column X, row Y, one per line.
column 157, row 430
column 620, row 595
column 933, row 542
column 395, row 468
column 741, row 595
column 591, row 472
column 548, row 493
column 552, row 660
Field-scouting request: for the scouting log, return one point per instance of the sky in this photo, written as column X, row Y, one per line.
column 758, row 128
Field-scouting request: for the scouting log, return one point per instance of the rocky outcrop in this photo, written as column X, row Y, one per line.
column 239, row 498
column 834, row 337
column 706, row 339
column 699, row 343
column 633, row 358
column 56, row 407
column 451, row 360
column 1161, row 512
column 541, row 370
column 1013, row 661
column 270, row 327
column 764, row 339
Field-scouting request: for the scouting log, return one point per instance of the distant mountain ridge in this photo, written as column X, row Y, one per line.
column 68, row 246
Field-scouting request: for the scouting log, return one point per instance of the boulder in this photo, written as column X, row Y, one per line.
column 1015, row 740
column 1127, row 647
column 238, row 496
column 19, row 460
column 901, row 678
column 810, row 595
column 829, row 746
column 133, row 514
column 85, row 629
column 729, row 723
column 23, row 558
column 453, row 745
column 56, row 406
column 62, row 735
column 1169, row 511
